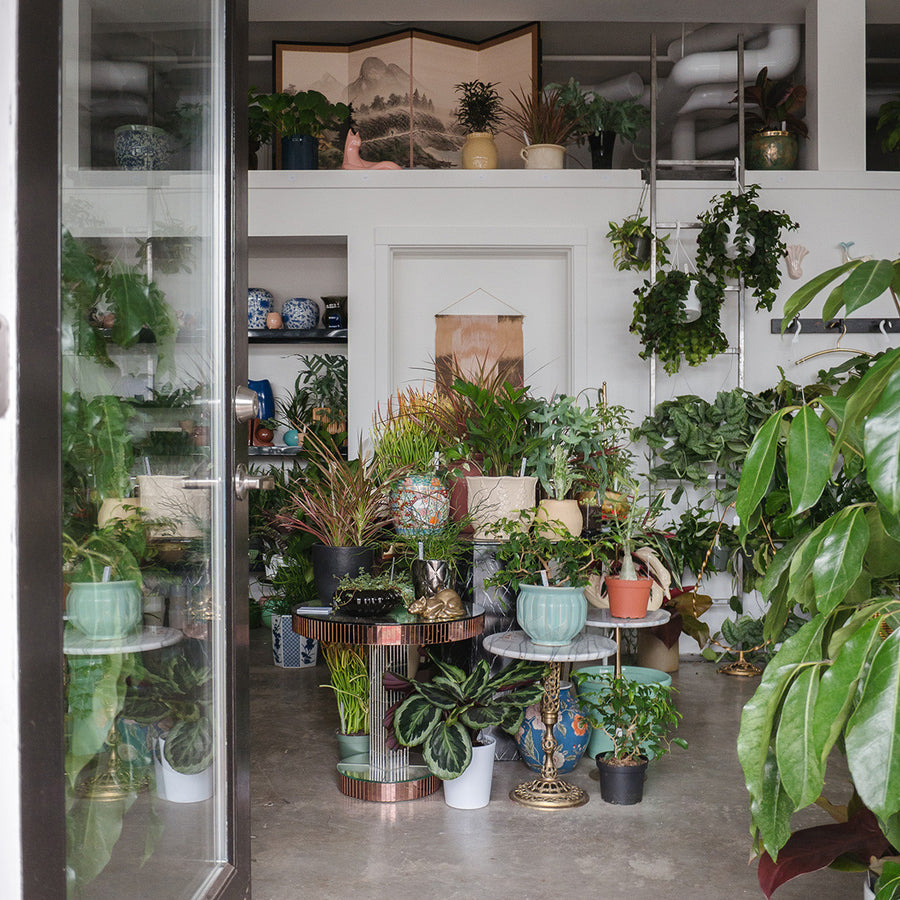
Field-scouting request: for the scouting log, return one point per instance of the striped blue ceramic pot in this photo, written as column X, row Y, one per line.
column 551, row 616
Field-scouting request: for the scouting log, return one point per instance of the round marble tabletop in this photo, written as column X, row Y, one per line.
column 152, row 637
column 600, row 618
column 515, row 644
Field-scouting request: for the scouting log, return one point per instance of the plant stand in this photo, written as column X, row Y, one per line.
column 600, row 618
column 385, row 775
column 548, row 790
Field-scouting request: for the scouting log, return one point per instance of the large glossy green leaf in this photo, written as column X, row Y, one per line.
column 873, row 733
column 801, row 298
column 771, row 811
column 799, row 765
column 448, row 750
column 757, row 721
column 839, row 559
column 869, row 280
column 802, row 564
column 833, row 302
column 780, row 564
column 440, row 691
column 889, row 882
column 808, row 455
column 838, row 688
column 758, row 467
column 415, row 719
column 883, row 553
column 882, row 443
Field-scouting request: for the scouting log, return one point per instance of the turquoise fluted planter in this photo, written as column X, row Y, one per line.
column 551, row 616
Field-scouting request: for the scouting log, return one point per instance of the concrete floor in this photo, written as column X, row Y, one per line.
column 687, row 839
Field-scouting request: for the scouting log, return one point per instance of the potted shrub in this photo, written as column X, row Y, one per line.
column 833, row 683
column 348, row 674
column 549, row 569
column 434, row 557
column 661, row 321
column 542, row 121
column 636, row 718
column 479, row 114
column 445, row 715
column 344, row 505
column 407, row 438
column 740, row 240
column 176, row 695
column 601, row 119
column 773, row 122
column 301, row 119
column 499, row 433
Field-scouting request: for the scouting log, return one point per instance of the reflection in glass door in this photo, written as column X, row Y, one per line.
column 145, row 437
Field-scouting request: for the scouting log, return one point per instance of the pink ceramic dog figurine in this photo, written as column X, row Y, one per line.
column 352, row 158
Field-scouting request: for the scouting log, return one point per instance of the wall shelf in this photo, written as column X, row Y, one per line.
column 837, row 326
column 297, row 336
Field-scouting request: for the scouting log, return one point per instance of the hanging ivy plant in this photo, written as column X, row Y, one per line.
column 759, row 248
column 660, row 320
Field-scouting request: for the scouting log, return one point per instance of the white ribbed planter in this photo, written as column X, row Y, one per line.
column 491, row 499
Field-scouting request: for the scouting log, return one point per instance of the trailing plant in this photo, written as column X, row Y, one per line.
column 348, row 672
column 528, row 554
column 594, row 113
column 480, row 106
column 302, row 112
column 759, row 248
column 105, row 301
column 774, row 105
column 118, row 546
column 541, row 117
column 444, row 716
column 889, row 122
column 624, row 236
column 636, row 717
column 834, row 682
column 660, row 320
column 340, row 502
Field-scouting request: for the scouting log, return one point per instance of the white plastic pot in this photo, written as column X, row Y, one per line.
column 472, row 789
column 175, row 786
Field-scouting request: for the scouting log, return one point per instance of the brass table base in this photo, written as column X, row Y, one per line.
column 116, row 781
column 549, row 791
column 740, row 667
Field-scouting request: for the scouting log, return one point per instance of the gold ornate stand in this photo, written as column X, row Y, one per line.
column 116, row 780
column 549, row 791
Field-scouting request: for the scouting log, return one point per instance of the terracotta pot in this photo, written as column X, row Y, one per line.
column 628, row 599
column 564, row 512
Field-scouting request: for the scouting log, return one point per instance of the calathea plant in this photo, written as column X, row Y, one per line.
column 660, row 320
column 443, row 716
column 834, row 683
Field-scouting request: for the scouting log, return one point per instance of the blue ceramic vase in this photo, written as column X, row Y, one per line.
column 300, row 312
column 259, row 305
column 571, row 732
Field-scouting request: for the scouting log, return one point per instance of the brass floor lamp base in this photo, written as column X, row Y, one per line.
column 116, row 781
column 544, row 793
column 740, row 667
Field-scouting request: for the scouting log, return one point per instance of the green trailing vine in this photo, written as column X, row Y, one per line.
column 757, row 260
column 661, row 323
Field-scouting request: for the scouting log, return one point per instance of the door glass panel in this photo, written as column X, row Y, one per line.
column 144, row 432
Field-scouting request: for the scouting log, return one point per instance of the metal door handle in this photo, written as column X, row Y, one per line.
column 244, row 482
column 246, row 404
column 198, row 484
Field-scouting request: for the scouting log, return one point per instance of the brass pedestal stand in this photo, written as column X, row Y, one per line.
column 549, row 791
column 116, row 781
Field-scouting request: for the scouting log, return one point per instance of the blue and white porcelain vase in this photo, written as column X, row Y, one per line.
column 300, row 312
column 141, row 147
column 571, row 732
column 259, row 305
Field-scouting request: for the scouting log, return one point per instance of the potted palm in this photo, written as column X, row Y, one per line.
column 344, row 505
column 301, row 119
column 445, row 715
column 773, row 122
column 541, row 119
column 601, row 119
column 636, row 718
column 479, row 114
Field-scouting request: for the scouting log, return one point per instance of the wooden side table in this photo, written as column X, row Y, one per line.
column 548, row 790
column 387, row 775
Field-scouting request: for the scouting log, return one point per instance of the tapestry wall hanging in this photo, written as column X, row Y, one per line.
column 471, row 345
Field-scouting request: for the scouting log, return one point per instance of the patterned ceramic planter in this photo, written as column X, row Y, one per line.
column 420, row 504
column 259, row 305
column 571, row 732
column 551, row 616
column 300, row 312
column 141, row 147
column 289, row 649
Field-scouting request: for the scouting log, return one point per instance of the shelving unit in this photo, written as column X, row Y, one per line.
column 297, row 336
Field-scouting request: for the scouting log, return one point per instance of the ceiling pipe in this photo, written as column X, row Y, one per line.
column 625, row 87
column 711, row 37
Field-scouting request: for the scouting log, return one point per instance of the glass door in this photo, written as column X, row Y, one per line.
column 153, row 616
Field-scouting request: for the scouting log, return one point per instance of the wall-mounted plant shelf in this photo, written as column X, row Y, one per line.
column 837, row 326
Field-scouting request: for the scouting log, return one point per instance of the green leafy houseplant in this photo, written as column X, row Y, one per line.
column 443, row 716
column 834, row 683
column 636, row 717
column 889, row 123
column 120, row 546
column 407, row 434
column 774, row 105
column 541, row 117
column 594, row 114
column 480, row 106
column 302, row 112
column 395, row 591
column 625, row 237
column 660, row 320
column 348, row 672
column 757, row 236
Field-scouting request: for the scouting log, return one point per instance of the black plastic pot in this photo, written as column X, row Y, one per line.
column 602, row 149
column 299, row 151
column 331, row 564
column 622, row 785
column 640, row 248
column 366, row 602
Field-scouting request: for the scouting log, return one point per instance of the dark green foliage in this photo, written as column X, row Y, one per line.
column 303, row 112
column 774, row 105
column 889, row 122
column 595, row 113
column 480, row 106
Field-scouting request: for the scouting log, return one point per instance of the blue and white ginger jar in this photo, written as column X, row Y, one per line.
column 300, row 312
column 259, row 305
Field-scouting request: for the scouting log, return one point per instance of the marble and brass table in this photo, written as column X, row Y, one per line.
column 548, row 790
column 601, row 618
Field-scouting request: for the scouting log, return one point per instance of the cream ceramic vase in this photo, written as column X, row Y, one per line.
column 492, row 499
column 543, row 156
column 565, row 512
column 479, row 151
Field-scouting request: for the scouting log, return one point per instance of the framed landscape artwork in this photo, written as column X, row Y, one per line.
column 402, row 88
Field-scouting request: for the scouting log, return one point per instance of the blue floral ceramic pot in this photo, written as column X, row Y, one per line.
column 141, row 147
column 551, row 616
column 571, row 732
column 300, row 312
column 259, row 305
